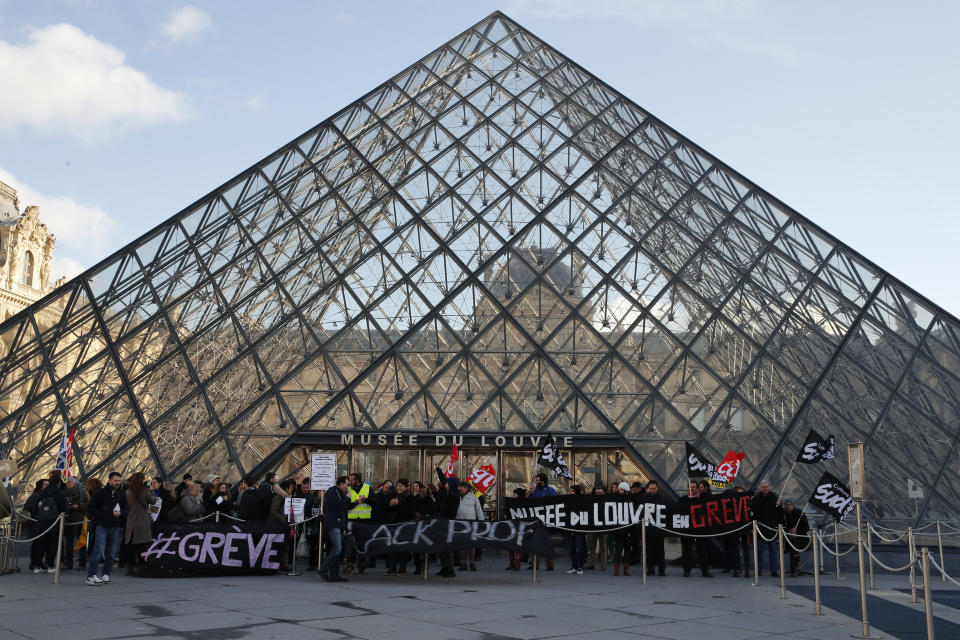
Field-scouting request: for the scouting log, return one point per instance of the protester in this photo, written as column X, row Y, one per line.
column 77, row 501
column 688, row 544
column 542, row 490
column 219, row 500
column 137, row 533
column 448, row 504
column 182, row 487
column 248, row 500
column 404, row 506
column 191, row 504
column 360, row 508
column 797, row 528
column 265, row 493
column 468, row 509
column 737, row 545
column 621, row 541
column 335, row 504
column 93, row 485
column 597, row 542
column 765, row 509
column 280, row 493
column 107, row 509
column 656, row 558
column 164, row 501
column 578, row 542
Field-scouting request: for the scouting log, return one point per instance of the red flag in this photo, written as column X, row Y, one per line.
column 482, row 479
column 454, row 456
column 729, row 467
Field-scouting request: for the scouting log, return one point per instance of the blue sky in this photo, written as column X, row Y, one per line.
column 116, row 115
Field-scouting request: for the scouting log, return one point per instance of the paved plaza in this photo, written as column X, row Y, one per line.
column 485, row 605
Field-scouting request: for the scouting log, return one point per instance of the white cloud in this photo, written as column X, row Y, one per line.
column 65, row 81
column 186, row 23
column 256, row 103
column 84, row 232
column 725, row 24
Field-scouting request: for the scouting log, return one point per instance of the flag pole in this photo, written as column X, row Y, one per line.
column 789, row 475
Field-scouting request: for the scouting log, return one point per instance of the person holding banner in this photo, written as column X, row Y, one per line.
column 656, row 557
column 622, row 541
column 797, row 528
column 765, row 509
column 335, row 505
column 541, row 489
column 469, row 509
column 687, row 544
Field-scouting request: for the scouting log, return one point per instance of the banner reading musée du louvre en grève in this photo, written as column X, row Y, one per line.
column 708, row 516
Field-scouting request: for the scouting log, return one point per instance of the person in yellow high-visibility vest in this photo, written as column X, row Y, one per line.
column 360, row 508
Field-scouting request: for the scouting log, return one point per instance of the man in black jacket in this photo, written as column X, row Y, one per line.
column 797, row 527
column 448, row 502
column 45, row 506
column 335, row 503
column 107, row 509
column 404, row 506
column 656, row 558
column 688, row 544
column 765, row 509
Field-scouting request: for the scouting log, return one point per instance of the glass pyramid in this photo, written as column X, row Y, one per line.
column 492, row 241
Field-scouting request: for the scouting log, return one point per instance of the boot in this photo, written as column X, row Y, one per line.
column 626, row 568
column 616, row 568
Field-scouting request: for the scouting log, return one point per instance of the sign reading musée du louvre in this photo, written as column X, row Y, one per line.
column 411, row 439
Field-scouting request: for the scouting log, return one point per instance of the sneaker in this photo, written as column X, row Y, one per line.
column 579, row 572
column 94, row 580
column 51, row 570
column 38, row 570
column 391, row 573
column 571, row 571
column 105, row 578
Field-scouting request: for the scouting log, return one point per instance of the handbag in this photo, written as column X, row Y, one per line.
column 303, row 547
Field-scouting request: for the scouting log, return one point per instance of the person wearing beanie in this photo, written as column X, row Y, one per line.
column 621, row 539
column 542, row 490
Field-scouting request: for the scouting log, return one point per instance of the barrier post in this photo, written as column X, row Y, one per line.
column 816, row 575
column 293, row 565
column 643, row 551
column 783, row 580
column 870, row 553
column 426, row 559
column 320, row 544
column 864, row 624
column 536, row 561
column 756, row 559
column 943, row 574
column 913, row 557
column 836, row 545
column 56, row 573
column 927, row 604
column 216, row 517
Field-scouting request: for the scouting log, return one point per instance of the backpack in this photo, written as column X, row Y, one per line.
column 47, row 509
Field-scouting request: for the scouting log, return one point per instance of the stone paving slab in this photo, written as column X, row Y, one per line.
column 487, row 605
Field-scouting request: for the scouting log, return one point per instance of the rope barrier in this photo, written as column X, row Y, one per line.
column 939, row 568
column 763, row 537
column 903, row 568
column 787, row 537
column 889, row 540
column 21, row 540
column 838, row 555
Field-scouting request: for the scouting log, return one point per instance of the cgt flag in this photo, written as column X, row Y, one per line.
column 454, row 456
column 727, row 470
column 816, row 449
column 551, row 458
column 482, row 479
column 832, row 496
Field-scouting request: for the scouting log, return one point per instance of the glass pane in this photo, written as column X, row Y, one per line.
column 370, row 464
column 403, row 464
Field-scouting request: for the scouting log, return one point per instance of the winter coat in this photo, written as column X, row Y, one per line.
column 381, row 511
column 406, row 509
column 276, row 506
column 335, row 509
column 102, row 504
column 192, row 507
column 248, row 504
column 544, row 492
column 138, row 518
column 448, row 499
column 167, row 503
column 765, row 510
column 79, row 498
column 470, row 508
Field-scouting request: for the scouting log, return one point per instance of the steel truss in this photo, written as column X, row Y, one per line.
column 491, row 241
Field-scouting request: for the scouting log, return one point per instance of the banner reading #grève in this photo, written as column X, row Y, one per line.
column 216, row 549
column 717, row 515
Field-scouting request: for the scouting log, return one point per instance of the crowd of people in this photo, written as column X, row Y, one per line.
column 114, row 520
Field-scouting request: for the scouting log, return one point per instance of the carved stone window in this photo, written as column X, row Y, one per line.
column 27, row 277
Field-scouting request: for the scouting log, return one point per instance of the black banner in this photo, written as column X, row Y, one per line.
column 238, row 548
column 708, row 516
column 445, row 534
column 816, row 449
column 832, row 496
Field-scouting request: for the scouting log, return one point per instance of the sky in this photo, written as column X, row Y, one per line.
column 114, row 116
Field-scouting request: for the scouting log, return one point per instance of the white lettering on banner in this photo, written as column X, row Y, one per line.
column 230, row 548
column 194, row 552
column 827, row 495
column 272, row 550
column 811, row 451
column 211, row 542
column 455, row 527
column 418, row 536
column 217, row 548
column 681, row 521
column 255, row 550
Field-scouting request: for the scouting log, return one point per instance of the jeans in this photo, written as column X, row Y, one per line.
column 331, row 565
column 105, row 545
column 772, row 554
column 578, row 550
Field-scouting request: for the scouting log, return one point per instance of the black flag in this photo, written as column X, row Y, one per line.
column 832, row 496
column 697, row 465
column 551, row 458
column 816, row 449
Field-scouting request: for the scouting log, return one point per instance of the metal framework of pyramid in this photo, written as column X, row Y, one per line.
column 492, row 241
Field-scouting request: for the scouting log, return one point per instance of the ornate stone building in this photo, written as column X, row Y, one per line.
column 26, row 251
